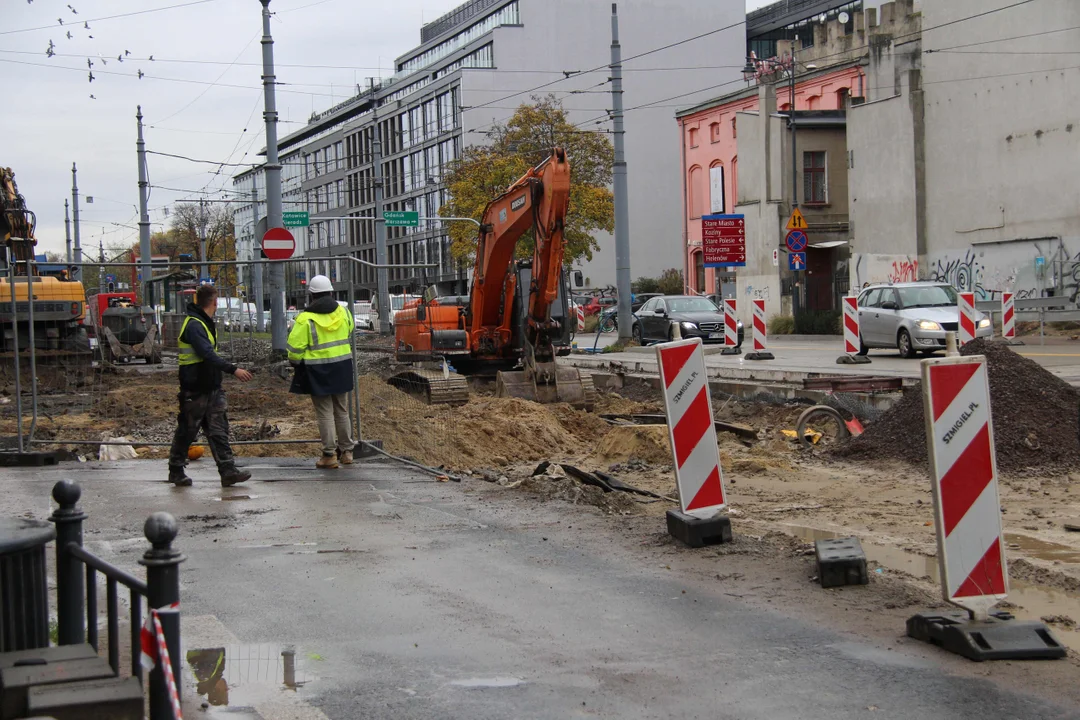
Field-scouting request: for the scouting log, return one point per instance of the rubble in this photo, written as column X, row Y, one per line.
column 1035, row 413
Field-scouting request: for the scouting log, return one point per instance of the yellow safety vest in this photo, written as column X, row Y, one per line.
column 188, row 356
column 312, row 345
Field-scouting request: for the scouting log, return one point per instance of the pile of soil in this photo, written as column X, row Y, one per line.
column 1035, row 413
column 623, row 443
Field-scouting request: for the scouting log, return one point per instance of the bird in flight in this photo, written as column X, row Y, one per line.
column 127, row 52
column 151, row 58
column 61, row 20
column 89, row 63
column 119, row 58
column 69, row 34
column 49, row 52
column 92, row 97
column 73, row 10
column 141, row 73
column 86, row 25
column 91, row 76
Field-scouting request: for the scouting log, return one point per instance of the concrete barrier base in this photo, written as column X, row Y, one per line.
column 762, row 355
column 698, row 532
column 999, row 637
column 852, row 360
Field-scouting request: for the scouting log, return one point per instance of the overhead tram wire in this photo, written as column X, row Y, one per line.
column 112, row 17
column 216, row 80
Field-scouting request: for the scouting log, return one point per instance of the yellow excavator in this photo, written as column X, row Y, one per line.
column 59, row 305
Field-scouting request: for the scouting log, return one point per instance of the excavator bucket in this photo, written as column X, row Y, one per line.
column 570, row 387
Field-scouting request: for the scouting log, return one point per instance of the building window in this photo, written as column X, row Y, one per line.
column 734, row 181
column 714, row 132
column 733, row 133
column 843, row 95
column 697, row 193
column 815, row 190
column 693, row 137
column 717, row 201
column 699, row 272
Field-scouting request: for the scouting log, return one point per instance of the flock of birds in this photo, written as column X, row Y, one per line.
column 50, row 51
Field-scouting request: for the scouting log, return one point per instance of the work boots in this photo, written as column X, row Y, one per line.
column 327, row 462
column 178, row 477
column 344, row 457
column 233, row 476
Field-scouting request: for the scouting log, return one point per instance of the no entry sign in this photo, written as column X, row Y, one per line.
column 723, row 240
column 278, row 244
column 690, row 427
column 967, row 511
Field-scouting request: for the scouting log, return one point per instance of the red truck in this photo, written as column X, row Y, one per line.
column 99, row 303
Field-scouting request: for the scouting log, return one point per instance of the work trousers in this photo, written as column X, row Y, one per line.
column 332, row 414
column 205, row 411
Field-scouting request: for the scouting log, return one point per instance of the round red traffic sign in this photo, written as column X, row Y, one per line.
column 278, row 244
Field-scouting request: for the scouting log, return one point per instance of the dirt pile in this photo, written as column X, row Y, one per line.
column 1036, row 426
column 646, row 443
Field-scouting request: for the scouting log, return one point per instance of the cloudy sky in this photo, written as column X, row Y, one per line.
column 200, row 95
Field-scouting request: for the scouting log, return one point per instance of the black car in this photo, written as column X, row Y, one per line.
column 609, row 317
column 696, row 316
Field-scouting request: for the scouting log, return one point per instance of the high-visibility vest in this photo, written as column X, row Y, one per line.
column 322, row 346
column 188, row 356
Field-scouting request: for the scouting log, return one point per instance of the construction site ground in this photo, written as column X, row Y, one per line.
column 782, row 495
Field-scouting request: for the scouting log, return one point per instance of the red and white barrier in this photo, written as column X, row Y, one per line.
column 731, row 325
column 851, row 325
column 1008, row 316
column 967, row 510
column 154, row 649
column 759, row 325
column 580, row 311
column 690, row 427
column 965, row 303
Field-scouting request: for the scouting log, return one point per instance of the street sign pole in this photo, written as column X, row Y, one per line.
column 273, row 185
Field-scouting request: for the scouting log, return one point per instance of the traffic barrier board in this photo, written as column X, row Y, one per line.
column 723, row 240
column 690, row 427
column 965, row 303
column 1008, row 316
column 731, row 324
column 759, row 325
column 963, row 471
column 851, row 325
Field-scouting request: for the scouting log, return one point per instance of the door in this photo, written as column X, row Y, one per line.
column 656, row 321
column 887, row 321
column 869, row 316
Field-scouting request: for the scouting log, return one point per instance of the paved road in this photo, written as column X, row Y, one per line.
column 818, row 355
column 407, row 598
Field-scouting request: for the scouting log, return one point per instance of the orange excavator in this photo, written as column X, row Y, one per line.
column 506, row 324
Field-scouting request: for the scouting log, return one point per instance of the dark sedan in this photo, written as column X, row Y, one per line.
column 696, row 317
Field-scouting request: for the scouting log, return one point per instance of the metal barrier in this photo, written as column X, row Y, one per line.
column 76, row 600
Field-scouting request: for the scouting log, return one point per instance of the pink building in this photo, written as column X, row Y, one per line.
column 710, row 156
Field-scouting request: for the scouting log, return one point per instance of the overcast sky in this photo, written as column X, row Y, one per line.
column 201, row 95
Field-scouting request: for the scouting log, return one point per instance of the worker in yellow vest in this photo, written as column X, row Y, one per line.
column 320, row 349
column 202, row 401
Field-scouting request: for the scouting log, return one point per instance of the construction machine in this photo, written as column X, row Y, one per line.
column 59, row 305
column 506, row 324
column 124, row 330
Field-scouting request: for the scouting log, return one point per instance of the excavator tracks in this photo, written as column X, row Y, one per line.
column 432, row 386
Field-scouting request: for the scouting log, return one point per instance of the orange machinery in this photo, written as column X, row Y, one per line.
column 486, row 332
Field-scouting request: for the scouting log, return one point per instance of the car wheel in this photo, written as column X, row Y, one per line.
column 863, row 348
column 635, row 331
column 903, row 344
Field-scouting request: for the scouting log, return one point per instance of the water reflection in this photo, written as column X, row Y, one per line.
column 242, row 675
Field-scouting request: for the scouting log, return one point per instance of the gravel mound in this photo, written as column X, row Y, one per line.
column 1036, row 426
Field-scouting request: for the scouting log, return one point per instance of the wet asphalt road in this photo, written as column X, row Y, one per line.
column 407, row 598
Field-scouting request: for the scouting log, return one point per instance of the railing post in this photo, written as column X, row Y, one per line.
column 70, row 591
column 162, row 564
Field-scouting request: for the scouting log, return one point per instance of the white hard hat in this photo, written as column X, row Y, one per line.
column 320, row 284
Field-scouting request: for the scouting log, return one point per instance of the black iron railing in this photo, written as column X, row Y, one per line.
column 77, row 592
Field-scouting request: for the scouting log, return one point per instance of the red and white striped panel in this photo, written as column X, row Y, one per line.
column 851, row 325
column 731, row 327
column 965, row 303
column 1008, row 315
column 580, row 319
column 759, row 325
column 971, row 551
column 690, row 427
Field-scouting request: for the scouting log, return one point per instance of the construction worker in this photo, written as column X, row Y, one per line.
column 202, row 400
column 319, row 349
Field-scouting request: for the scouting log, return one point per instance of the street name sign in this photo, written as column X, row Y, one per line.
column 401, row 218
column 723, row 240
column 298, row 218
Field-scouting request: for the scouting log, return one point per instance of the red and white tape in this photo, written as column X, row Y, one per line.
column 1008, row 316
column 759, row 325
column 731, row 327
column 966, row 304
column 152, row 639
column 851, row 325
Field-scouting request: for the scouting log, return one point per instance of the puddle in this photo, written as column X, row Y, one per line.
column 1035, row 602
column 245, row 675
column 491, row 682
column 228, row 498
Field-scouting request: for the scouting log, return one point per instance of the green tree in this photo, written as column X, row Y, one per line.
column 670, row 282
column 485, row 171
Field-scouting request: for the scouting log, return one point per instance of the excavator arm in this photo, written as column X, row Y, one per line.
column 538, row 201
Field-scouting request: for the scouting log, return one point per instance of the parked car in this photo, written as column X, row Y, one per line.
column 362, row 316
column 697, row 317
column 609, row 317
column 911, row 317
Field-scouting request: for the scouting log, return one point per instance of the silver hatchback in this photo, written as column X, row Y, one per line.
column 911, row 317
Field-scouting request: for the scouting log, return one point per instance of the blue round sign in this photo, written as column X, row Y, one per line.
column 796, row 241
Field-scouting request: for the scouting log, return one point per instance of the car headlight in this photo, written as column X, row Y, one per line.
column 985, row 322
column 928, row 325
column 688, row 326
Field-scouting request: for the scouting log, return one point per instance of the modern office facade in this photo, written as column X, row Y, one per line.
column 473, row 67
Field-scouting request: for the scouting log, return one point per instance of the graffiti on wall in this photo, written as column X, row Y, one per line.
column 757, row 293
column 963, row 273
column 906, row 270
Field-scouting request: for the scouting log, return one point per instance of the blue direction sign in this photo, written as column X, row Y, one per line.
column 796, row 241
column 796, row 261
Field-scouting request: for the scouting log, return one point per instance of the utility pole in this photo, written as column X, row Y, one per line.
column 381, row 277
column 146, row 291
column 273, row 185
column 67, row 233
column 622, row 209
column 796, row 290
column 101, row 262
column 204, row 269
column 257, row 268
column 76, row 272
